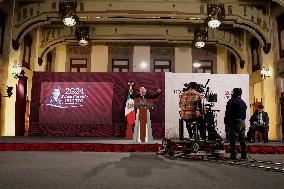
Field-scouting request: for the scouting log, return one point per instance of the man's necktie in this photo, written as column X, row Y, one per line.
column 260, row 117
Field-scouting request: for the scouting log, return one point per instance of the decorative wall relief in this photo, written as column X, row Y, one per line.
column 162, row 53
column 239, row 14
column 120, row 53
column 51, row 34
column 82, row 7
column 233, row 39
column 53, row 5
column 78, row 52
column 31, row 11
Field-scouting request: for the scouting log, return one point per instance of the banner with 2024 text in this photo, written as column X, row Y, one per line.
column 221, row 84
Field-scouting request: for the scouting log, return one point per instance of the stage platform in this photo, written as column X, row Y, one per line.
column 93, row 144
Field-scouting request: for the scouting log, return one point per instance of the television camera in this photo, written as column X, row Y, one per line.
column 203, row 89
column 199, row 146
column 208, row 113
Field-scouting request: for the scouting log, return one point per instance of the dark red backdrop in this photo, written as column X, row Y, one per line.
column 151, row 81
column 80, row 102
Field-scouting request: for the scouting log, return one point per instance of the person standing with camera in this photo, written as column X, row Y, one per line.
column 235, row 116
column 190, row 105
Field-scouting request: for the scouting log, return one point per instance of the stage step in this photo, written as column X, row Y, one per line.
column 97, row 144
column 101, row 147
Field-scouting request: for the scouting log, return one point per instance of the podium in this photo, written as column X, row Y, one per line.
column 143, row 129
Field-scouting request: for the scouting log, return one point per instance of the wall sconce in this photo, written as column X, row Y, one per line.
column 143, row 65
column 67, row 11
column 9, row 92
column 17, row 71
column 265, row 72
column 216, row 14
column 82, row 35
column 200, row 37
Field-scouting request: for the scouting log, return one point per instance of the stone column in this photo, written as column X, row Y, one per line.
column 99, row 58
column 222, row 63
column 60, row 59
column 183, row 60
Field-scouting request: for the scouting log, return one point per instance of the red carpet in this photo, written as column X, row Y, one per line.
column 93, row 147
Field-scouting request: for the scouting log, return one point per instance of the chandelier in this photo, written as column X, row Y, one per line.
column 82, row 35
column 67, row 11
column 215, row 14
column 200, row 37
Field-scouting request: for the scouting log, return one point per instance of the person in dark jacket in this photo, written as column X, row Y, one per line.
column 143, row 95
column 259, row 121
column 235, row 116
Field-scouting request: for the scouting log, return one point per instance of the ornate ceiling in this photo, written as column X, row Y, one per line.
column 169, row 22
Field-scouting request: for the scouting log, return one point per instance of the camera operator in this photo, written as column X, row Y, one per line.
column 235, row 116
column 190, row 105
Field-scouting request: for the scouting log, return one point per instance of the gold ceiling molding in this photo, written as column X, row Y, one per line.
column 184, row 12
column 233, row 40
column 280, row 2
column 99, row 15
column 80, row 50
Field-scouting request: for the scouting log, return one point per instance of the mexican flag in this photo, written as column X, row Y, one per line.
column 129, row 110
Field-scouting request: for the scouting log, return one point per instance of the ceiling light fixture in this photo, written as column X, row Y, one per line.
column 67, row 11
column 200, row 37
column 82, row 35
column 199, row 44
column 215, row 12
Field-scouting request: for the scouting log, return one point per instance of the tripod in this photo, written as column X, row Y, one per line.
column 193, row 124
column 210, row 122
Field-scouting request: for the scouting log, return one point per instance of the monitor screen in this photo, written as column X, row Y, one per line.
column 76, row 102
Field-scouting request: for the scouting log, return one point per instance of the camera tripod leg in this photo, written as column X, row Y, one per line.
column 181, row 129
column 196, row 132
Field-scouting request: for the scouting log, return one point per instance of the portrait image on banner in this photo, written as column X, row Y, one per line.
column 220, row 84
column 76, row 102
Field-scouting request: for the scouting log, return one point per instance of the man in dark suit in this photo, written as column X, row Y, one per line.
column 235, row 116
column 143, row 129
column 259, row 121
column 143, row 95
